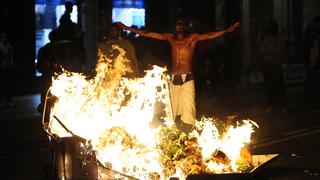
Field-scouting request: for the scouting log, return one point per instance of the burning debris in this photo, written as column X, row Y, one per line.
column 205, row 151
column 115, row 114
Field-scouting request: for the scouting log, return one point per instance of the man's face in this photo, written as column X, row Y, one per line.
column 115, row 32
column 180, row 26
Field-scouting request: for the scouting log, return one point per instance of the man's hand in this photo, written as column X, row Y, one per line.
column 233, row 27
column 121, row 25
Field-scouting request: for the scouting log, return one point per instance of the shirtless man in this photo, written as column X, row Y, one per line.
column 182, row 90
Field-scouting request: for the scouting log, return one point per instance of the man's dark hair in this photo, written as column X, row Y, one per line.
column 120, row 32
column 114, row 25
column 68, row 4
column 182, row 20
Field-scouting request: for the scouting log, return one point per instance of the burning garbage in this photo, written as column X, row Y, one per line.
column 115, row 113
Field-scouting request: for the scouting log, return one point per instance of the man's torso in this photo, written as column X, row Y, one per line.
column 182, row 53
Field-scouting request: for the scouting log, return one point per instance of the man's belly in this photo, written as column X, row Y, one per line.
column 182, row 67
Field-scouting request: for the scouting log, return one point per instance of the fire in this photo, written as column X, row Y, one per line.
column 115, row 113
column 231, row 144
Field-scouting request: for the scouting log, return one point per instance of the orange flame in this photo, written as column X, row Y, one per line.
column 115, row 113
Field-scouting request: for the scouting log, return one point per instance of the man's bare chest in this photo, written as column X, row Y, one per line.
column 182, row 45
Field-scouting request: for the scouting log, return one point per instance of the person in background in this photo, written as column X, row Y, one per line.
column 116, row 38
column 272, row 51
column 47, row 64
column 7, row 64
column 66, row 27
column 70, row 42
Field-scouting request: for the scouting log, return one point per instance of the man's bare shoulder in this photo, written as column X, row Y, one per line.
column 193, row 36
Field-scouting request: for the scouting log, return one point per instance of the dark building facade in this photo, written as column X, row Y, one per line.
column 96, row 16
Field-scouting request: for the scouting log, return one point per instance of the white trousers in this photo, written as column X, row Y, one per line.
column 183, row 101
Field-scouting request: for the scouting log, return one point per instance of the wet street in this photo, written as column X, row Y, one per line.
column 294, row 135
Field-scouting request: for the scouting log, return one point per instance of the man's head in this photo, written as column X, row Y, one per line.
column 68, row 5
column 115, row 31
column 181, row 25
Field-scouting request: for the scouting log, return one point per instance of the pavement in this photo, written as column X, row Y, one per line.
column 293, row 134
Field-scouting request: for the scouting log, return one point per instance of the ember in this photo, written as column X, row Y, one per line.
column 115, row 113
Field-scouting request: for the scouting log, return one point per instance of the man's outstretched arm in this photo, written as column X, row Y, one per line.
column 153, row 35
column 215, row 34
